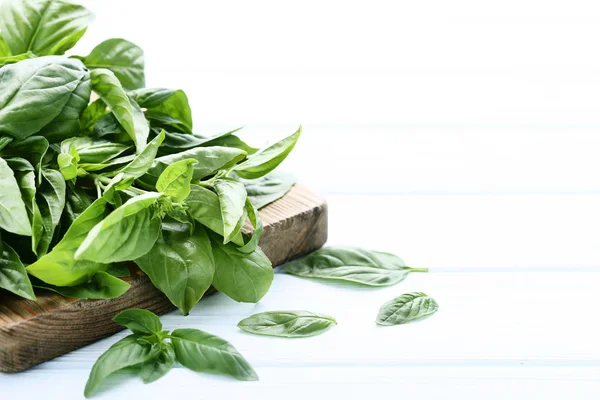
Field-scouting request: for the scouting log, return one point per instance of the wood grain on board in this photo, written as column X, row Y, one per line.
column 34, row 332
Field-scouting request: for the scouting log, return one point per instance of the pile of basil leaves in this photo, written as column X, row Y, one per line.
column 98, row 171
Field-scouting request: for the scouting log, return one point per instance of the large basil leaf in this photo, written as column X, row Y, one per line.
column 200, row 351
column 127, row 233
column 204, row 206
column 210, row 160
column 266, row 160
column 143, row 161
column 245, row 277
column 180, row 265
column 13, row 276
column 108, row 87
column 127, row 352
column 371, row 268
column 142, row 322
column 166, row 108
column 101, row 286
column 45, row 27
column 13, row 213
column 176, row 178
column 160, row 364
column 37, row 90
column 271, row 187
column 51, row 202
column 33, row 149
column 59, row 266
column 289, row 324
column 123, row 58
column 406, row 308
column 232, row 197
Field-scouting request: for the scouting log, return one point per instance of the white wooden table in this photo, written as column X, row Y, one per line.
column 506, row 219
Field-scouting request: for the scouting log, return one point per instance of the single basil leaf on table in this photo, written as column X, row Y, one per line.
column 271, row 187
column 204, row 206
column 160, row 364
column 232, row 197
column 92, row 113
column 127, row 352
column 13, row 276
column 266, row 160
column 141, row 322
column 59, row 267
column 54, row 80
column 245, row 277
column 202, row 352
column 127, row 233
column 371, row 268
column 165, row 108
column 291, row 324
column 45, row 27
column 123, row 58
column 257, row 224
column 181, row 265
column 143, row 161
column 51, row 202
column 101, row 286
column 13, row 213
column 405, row 308
column 33, row 149
column 175, row 180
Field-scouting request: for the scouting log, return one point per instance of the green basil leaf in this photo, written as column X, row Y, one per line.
column 406, row 308
column 37, row 91
column 176, row 142
column 271, row 187
column 5, row 60
column 50, row 199
column 158, row 366
column 210, row 160
column 371, row 268
column 230, row 140
column 5, row 141
column 95, row 151
column 45, row 27
column 200, row 351
column 166, row 108
column 77, row 201
column 127, row 233
column 232, row 197
column 33, row 149
column 13, row 213
column 175, row 180
column 245, row 277
column 116, row 162
column 101, row 286
column 123, row 58
column 141, row 322
column 181, row 265
column 13, row 276
column 258, row 228
column 204, row 206
column 143, row 161
column 4, row 50
column 68, row 162
column 92, row 113
column 108, row 87
column 291, row 324
column 266, row 160
column 127, row 352
column 59, row 266
column 119, row 270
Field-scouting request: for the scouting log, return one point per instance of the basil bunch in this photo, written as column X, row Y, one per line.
column 96, row 170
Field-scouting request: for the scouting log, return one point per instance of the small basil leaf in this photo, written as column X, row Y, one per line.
column 4, row 50
column 176, row 142
column 94, row 151
column 406, row 308
column 77, row 202
column 200, row 351
column 13, row 213
column 371, row 268
column 245, row 277
column 158, row 366
column 204, row 206
column 181, row 265
column 5, row 141
column 127, row 352
column 271, row 187
column 5, row 60
column 13, row 276
column 175, row 180
column 68, row 163
column 166, row 108
column 143, row 161
column 141, row 322
column 258, row 228
column 51, row 202
column 127, row 233
column 232, row 197
column 92, row 113
column 25, row 176
column 266, row 160
column 101, row 286
column 33, row 149
column 291, row 324
column 123, row 58
column 119, row 270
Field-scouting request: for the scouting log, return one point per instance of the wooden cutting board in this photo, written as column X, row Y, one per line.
column 34, row 332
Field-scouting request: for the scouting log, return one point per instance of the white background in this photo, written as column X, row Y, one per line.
column 462, row 135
